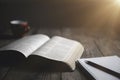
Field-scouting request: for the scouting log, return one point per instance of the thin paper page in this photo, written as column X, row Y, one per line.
column 57, row 48
column 111, row 62
column 28, row 44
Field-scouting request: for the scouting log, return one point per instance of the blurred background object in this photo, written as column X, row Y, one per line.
column 19, row 28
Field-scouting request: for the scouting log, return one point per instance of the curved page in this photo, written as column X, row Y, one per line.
column 27, row 45
column 61, row 49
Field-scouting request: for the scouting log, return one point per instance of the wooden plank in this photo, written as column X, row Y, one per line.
column 66, row 32
column 108, row 46
column 76, row 75
column 39, row 30
column 19, row 74
column 91, row 49
column 47, row 31
column 56, row 76
column 54, row 32
column 116, row 47
column 3, row 72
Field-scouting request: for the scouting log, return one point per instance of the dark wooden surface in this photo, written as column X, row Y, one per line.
column 95, row 46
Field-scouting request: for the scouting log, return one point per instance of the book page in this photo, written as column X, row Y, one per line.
column 28, row 44
column 110, row 62
column 61, row 49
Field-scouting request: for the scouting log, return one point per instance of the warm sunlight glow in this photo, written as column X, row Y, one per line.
column 117, row 2
column 105, row 16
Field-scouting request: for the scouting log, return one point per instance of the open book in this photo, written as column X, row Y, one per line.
column 96, row 72
column 39, row 50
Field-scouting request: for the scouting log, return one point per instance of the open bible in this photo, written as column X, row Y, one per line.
column 42, row 52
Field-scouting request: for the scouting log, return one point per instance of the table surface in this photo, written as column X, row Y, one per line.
column 95, row 46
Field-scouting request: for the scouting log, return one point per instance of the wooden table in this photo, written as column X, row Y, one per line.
column 95, row 46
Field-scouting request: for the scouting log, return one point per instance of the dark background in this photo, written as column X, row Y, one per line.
column 91, row 15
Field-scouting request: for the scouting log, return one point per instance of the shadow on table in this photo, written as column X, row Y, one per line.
column 7, row 37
